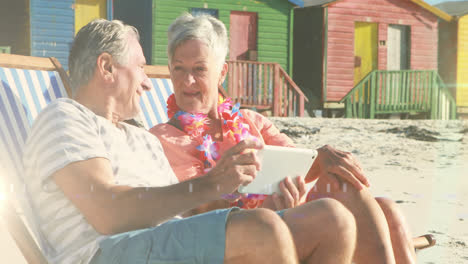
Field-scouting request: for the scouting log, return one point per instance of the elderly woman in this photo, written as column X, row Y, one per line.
column 203, row 126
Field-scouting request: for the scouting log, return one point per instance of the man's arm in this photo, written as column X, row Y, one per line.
column 111, row 208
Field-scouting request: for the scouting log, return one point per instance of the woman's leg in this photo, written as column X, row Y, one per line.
column 324, row 231
column 374, row 243
column 402, row 240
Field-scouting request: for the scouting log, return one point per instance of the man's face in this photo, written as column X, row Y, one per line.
column 130, row 82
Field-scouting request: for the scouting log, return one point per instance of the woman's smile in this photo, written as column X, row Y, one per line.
column 192, row 94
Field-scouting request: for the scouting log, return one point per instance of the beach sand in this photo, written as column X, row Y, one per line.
column 422, row 165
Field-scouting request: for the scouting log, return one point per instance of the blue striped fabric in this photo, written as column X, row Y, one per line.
column 23, row 94
column 153, row 103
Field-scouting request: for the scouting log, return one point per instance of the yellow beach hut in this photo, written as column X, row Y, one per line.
column 453, row 52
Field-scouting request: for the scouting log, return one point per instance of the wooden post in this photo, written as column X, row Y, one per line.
column 63, row 76
column 290, row 100
column 372, row 95
column 433, row 97
column 362, row 100
column 266, row 70
column 348, row 113
column 276, row 91
column 301, row 105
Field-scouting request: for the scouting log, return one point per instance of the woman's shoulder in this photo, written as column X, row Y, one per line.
column 252, row 115
column 255, row 118
column 161, row 129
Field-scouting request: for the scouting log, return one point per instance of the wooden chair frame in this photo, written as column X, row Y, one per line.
column 15, row 224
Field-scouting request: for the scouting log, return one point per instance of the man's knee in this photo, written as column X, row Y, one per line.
column 258, row 235
column 260, row 222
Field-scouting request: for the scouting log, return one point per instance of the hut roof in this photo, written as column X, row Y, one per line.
column 454, row 8
column 297, row 2
column 421, row 3
column 317, row 2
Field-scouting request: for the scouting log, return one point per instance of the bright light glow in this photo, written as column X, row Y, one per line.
column 3, row 196
column 2, row 199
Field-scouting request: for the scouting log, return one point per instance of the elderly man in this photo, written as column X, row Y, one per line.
column 105, row 192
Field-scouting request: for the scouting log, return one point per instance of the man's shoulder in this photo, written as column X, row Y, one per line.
column 64, row 105
column 61, row 114
column 62, row 109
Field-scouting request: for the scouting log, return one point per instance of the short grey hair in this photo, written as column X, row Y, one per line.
column 204, row 28
column 92, row 40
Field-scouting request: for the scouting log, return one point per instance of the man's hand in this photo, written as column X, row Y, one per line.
column 237, row 167
column 338, row 165
column 293, row 193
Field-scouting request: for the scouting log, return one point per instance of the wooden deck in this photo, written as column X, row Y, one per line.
column 406, row 91
column 264, row 86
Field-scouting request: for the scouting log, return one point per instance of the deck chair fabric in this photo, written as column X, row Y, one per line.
column 27, row 85
column 153, row 103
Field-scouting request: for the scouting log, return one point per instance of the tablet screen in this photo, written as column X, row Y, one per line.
column 277, row 164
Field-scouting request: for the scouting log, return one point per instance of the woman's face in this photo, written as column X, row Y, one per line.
column 196, row 77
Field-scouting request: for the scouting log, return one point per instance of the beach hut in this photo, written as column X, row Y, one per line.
column 259, row 30
column 337, row 43
column 260, row 45
column 453, row 52
column 45, row 28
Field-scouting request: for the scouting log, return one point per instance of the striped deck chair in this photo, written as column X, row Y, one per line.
column 153, row 102
column 27, row 85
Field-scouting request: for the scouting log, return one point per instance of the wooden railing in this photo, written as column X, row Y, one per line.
column 406, row 91
column 264, row 86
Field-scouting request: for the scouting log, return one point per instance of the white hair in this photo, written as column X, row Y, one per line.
column 92, row 40
column 204, row 28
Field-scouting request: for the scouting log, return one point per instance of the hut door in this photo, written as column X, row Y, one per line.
column 243, row 36
column 87, row 10
column 365, row 49
column 462, row 63
column 140, row 15
column 397, row 47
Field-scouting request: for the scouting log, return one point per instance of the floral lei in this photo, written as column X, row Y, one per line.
column 234, row 126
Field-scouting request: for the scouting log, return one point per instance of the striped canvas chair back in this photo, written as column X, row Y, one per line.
column 153, row 103
column 27, row 85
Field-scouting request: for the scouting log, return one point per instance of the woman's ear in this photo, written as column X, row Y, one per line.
column 224, row 71
column 104, row 67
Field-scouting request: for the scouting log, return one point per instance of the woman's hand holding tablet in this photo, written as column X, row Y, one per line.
column 277, row 164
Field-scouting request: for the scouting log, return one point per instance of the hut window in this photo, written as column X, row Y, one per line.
column 204, row 11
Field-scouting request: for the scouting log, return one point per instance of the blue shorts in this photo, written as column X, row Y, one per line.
column 197, row 239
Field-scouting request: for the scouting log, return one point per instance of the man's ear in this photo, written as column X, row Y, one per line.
column 224, row 71
column 104, row 66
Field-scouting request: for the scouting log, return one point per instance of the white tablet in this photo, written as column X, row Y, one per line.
column 277, row 164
